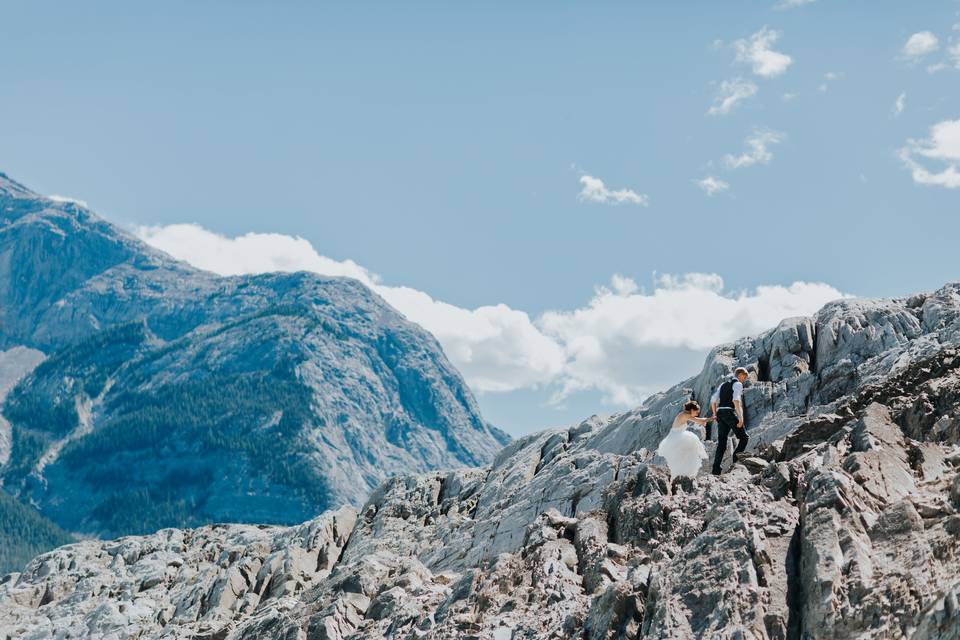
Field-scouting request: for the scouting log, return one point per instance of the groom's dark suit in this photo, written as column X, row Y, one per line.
column 727, row 423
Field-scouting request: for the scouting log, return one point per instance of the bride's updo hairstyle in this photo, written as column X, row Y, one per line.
column 693, row 405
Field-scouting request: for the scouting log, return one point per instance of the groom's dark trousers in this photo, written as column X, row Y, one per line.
column 727, row 423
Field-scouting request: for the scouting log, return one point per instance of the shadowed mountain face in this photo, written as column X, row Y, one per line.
column 171, row 396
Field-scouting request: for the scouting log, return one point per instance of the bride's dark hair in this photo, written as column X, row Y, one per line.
column 690, row 406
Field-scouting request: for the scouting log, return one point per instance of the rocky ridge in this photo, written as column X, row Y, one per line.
column 843, row 522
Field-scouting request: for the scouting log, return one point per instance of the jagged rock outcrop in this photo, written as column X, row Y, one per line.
column 154, row 394
column 197, row 582
column 809, row 367
column 844, row 522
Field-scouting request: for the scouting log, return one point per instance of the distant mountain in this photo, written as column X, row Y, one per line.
column 169, row 396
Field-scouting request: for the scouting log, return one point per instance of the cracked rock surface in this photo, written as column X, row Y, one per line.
column 843, row 522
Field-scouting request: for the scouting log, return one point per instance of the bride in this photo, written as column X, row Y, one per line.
column 682, row 449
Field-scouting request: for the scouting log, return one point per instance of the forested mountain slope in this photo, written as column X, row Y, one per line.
column 168, row 396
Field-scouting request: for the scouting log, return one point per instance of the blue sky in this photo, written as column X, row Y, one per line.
column 442, row 147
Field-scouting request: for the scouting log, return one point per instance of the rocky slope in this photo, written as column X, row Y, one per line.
column 843, row 523
column 153, row 394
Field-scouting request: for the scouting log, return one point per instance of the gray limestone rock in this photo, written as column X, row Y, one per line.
column 174, row 583
column 842, row 523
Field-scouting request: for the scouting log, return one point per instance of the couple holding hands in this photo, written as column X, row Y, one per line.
column 683, row 450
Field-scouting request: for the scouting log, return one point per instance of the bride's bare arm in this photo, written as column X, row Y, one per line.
column 683, row 417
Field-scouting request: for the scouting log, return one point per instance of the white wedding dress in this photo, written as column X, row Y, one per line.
column 683, row 452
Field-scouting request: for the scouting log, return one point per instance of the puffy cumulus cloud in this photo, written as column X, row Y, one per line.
column 249, row 253
column 731, row 94
column 628, row 343
column 624, row 342
column 943, row 148
column 594, row 190
column 712, row 185
column 757, row 149
column 919, row 45
column 496, row 348
column 757, row 51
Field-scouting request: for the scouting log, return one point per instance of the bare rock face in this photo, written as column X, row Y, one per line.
column 843, row 522
column 855, row 536
column 845, row 554
column 199, row 582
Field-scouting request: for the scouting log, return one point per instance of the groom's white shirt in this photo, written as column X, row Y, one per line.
column 737, row 392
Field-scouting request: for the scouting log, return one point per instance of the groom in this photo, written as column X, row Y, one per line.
column 728, row 400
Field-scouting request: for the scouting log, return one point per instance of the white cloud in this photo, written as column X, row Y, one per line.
column 899, row 104
column 758, row 53
column 828, row 77
column 789, row 97
column 496, row 348
column 595, row 191
column 757, row 149
column 625, row 342
column 712, row 185
column 249, row 253
column 943, row 146
column 791, row 4
column 732, row 93
column 68, row 199
column 919, row 45
column 944, row 141
column 954, row 53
